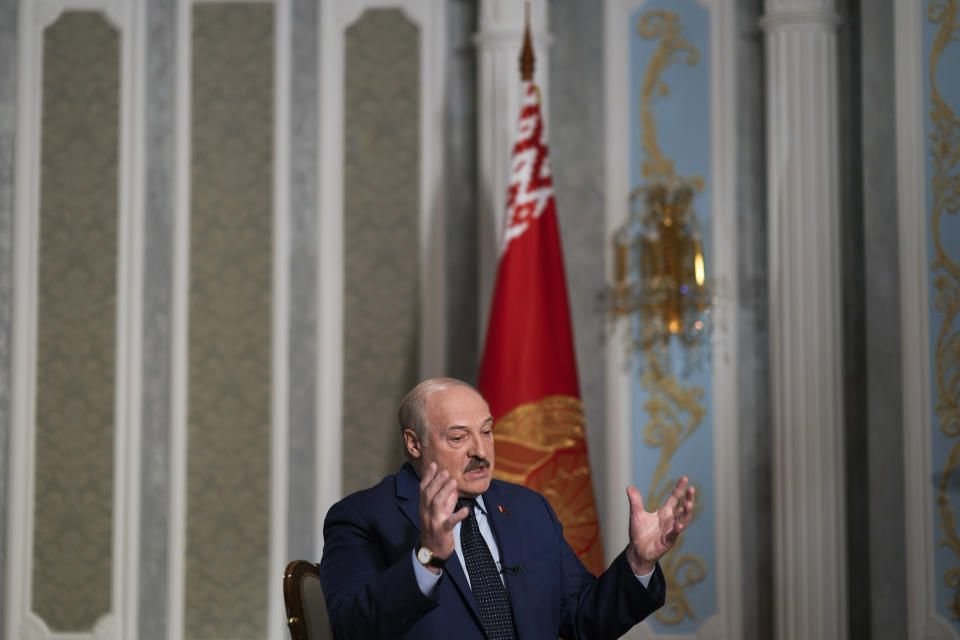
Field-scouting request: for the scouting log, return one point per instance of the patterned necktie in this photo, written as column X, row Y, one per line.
column 488, row 589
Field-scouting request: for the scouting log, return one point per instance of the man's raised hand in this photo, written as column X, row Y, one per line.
column 652, row 534
column 438, row 497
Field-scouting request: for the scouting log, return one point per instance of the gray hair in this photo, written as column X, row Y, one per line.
column 412, row 413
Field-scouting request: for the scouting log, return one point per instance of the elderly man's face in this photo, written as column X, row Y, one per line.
column 460, row 438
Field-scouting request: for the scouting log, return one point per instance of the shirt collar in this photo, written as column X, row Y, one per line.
column 483, row 507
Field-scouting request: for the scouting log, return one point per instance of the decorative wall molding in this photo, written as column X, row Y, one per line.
column 335, row 17
column 498, row 110
column 177, row 481
column 280, row 314
column 33, row 628
column 727, row 622
column 120, row 621
column 282, row 302
column 127, row 529
column 923, row 620
column 810, row 581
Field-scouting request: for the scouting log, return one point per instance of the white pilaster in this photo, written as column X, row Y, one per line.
column 810, row 582
column 498, row 98
column 921, row 579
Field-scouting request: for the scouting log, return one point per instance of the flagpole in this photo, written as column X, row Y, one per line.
column 526, row 52
column 498, row 39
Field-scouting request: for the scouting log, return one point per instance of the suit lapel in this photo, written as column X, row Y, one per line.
column 505, row 526
column 408, row 491
column 454, row 570
column 509, row 534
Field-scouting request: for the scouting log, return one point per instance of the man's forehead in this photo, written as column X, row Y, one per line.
column 457, row 406
column 460, row 398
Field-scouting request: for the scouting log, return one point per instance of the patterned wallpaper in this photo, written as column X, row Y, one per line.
column 76, row 322
column 231, row 235
column 381, row 247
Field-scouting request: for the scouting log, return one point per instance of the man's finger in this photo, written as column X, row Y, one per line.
column 673, row 501
column 636, row 499
column 428, row 475
column 687, row 512
column 450, row 496
column 436, row 484
column 445, row 497
column 458, row 516
column 689, row 499
column 680, row 486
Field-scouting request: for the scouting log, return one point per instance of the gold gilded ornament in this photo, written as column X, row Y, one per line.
column 665, row 25
column 675, row 413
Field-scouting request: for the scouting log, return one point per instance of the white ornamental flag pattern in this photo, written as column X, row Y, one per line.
column 531, row 184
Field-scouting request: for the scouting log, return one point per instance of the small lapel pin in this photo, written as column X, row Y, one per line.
column 503, row 509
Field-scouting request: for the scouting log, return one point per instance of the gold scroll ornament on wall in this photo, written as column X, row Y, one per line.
column 945, row 184
column 675, row 410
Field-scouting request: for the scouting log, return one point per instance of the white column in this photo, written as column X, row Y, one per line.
column 498, row 102
column 809, row 538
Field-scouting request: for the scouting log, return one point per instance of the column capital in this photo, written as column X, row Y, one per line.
column 781, row 14
column 511, row 12
column 501, row 22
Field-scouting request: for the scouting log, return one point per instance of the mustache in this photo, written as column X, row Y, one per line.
column 476, row 463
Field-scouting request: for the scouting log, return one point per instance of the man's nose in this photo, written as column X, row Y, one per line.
column 478, row 447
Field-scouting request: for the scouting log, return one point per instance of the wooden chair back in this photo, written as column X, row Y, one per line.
column 307, row 617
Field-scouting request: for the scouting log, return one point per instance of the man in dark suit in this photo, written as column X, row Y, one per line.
column 441, row 550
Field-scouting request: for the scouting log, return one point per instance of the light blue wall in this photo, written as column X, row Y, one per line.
column 683, row 129
column 948, row 70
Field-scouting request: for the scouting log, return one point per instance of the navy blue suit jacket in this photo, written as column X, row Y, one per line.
column 371, row 589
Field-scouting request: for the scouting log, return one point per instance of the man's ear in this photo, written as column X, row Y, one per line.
column 412, row 443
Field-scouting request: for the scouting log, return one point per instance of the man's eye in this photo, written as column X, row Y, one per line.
column 488, row 432
column 457, row 438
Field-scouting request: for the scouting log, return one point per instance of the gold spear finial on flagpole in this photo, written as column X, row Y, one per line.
column 526, row 54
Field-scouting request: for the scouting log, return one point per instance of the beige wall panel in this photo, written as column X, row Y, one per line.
column 76, row 326
column 229, row 359
column 381, row 247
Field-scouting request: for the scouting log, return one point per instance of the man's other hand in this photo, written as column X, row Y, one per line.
column 652, row 534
